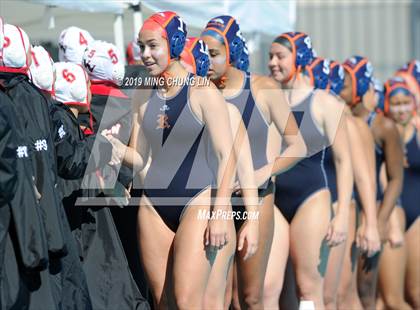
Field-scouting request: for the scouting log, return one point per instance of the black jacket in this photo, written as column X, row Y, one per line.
column 63, row 283
column 73, row 148
column 95, row 227
column 33, row 114
column 17, row 184
column 8, row 174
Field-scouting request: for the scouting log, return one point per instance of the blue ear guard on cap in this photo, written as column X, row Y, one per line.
column 304, row 52
column 236, row 48
column 363, row 71
column 242, row 63
column 364, row 76
column 202, row 64
column 320, row 71
column 177, row 33
column 201, row 56
column 416, row 71
column 303, row 47
column 228, row 27
column 380, row 93
column 336, row 78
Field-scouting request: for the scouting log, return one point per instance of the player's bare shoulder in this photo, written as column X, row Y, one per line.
column 326, row 97
column 360, row 124
column 200, row 82
column 202, row 89
column 267, row 90
column 263, row 82
column 140, row 98
column 327, row 101
column 384, row 122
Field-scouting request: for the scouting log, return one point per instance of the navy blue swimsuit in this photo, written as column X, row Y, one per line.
column 329, row 166
column 257, row 129
column 179, row 170
column 308, row 176
column 255, row 124
column 379, row 159
column 410, row 195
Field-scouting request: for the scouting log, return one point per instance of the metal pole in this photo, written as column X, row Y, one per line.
column 137, row 19
column 119, row 35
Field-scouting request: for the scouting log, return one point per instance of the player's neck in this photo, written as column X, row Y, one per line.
column 302, row 82
column 234, row 78
column 299, row 89
column 360, row 111
column 406, row 130
column 175, row 69
column 178, row 74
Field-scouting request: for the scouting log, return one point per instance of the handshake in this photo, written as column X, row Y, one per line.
column 118, row 148
column 121, row 153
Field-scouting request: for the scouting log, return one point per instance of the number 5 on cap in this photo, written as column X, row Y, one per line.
column 113, row 56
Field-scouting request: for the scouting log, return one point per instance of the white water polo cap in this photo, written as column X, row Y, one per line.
column 15, row 47
column 71, row 84
column 103, row 62
column 72, row 44
column 41, row 71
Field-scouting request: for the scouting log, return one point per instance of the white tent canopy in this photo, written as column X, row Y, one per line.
column 256, row 18
column 268, row 17
column 115, row 6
